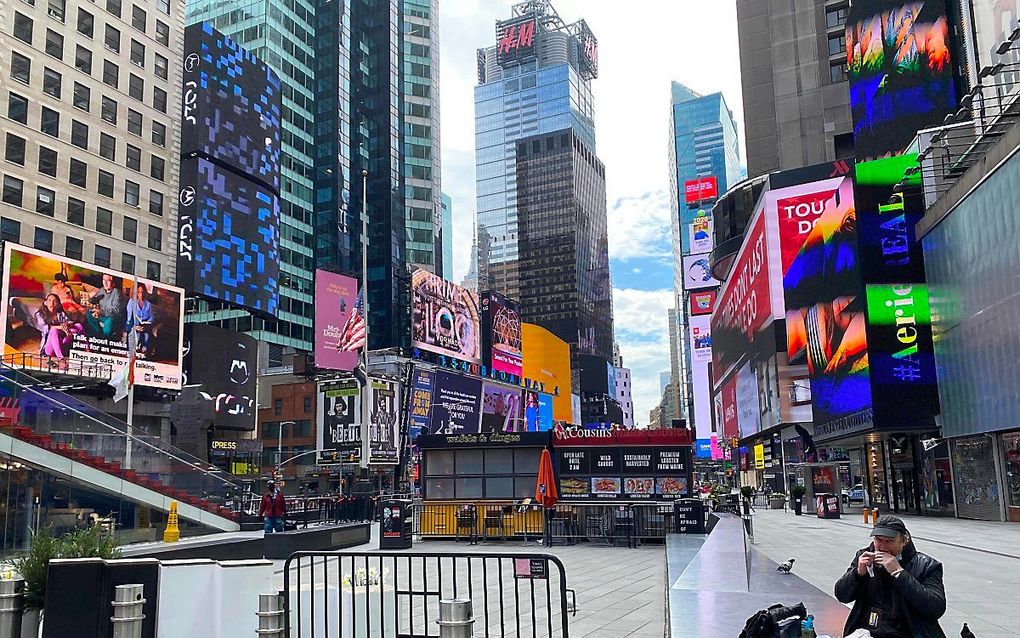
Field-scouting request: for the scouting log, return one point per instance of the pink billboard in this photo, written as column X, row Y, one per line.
column 339, row 326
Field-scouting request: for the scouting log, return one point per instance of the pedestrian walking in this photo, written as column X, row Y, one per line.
column 273, row 509
column 896, row 591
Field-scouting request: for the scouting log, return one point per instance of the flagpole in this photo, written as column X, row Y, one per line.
column 131, row 386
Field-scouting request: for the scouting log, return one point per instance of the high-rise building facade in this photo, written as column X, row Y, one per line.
column 564, row 247
column 793, row 76
column 446, row 237
column 91, row 130
column 537, row 79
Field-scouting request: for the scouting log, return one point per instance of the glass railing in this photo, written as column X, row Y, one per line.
column 63, row 424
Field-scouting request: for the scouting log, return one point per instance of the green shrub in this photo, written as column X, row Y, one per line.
column 797, row 490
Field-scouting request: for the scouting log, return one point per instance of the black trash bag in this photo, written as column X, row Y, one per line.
column 775, row 622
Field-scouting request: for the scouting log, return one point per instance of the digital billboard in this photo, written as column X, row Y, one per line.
column 338, row 422
column 697, row 273
column 547, row 368
column 797, row 209
column 68, row 317
column 456, row 404
column 224, row 366
column 230, row 106
column 699, row 190
column 383, row 422
column 339, row 325
column 746, row 397
column 700, row 327
column 730, row 425
column 228, row 237
column 444, row 318
column 502, row 409
column 900, row 68
column 701, row 237
column 501, row 333
column 701, row 395
column 702, row 302
column 994, row 22
column 421, row 403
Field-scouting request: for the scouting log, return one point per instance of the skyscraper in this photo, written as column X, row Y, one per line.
column 446, row 238
column 535, row 80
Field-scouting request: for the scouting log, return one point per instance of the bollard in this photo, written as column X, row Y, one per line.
column 867, row 516
column 455, row 619
column 270, row 615
column 127, row 611
column 12, row 598
column 874, row 516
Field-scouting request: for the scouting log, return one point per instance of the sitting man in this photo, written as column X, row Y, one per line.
column 896, row 591
column 108, row 308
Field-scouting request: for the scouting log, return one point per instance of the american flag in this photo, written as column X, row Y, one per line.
column 352, row 337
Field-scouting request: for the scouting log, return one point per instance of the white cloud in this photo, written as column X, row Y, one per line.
column 641, row 321
column 639, row 226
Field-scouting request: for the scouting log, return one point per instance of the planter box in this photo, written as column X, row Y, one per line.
column 777, row 503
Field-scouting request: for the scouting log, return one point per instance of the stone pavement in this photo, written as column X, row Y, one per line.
column 981, row 561
column 620, row 591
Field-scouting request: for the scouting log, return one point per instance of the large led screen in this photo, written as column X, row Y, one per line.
column 994, row 21
column 547, row 369
column 228, row 238
column 224, row 366
column 339, row 324
column 231, row 106
column 421, row 403
column 338, row 422
column 501, row 330
column 444, row 318
column 900, row 69
column 456, row 404
column 383, row 422
column 697, row 275
column 825, row 318
column 502, row 409
column 68, row 317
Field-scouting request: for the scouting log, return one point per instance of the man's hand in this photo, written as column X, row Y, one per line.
column 864, row 561
column 887, row 561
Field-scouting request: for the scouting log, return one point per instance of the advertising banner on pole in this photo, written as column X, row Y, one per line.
column 383, row 422
column 338, row 422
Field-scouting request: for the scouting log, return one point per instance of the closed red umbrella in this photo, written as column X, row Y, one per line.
column 545, row 488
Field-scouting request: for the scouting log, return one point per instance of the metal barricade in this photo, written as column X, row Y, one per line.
column 397, row 595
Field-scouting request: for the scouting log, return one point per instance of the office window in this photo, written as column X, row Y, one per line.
column 307, row 404
column 156, row 203
column 134, row 158
column 13, row 191
column 278, row 409
column 155, row 238
column 51, row 83
column 10, row 230
column 73, row 248
column 137, row 53
column 54, row 44
column 50, row 122
column 23, row 27
column 127, row 263
column 47, row 161
column 157, row 167
column 104, row 221
column 837, row 44
column 835, row 18
column 138, row 18
column 109, row 110
column 162, row 33
column 159, row 134
column 55, row 9
column 105, row 183
column 21, row 68
column 86, row 23
column 75, row 211
column 108, row 147
column 83, row 59
column 152, row 270
column 162, row 66
column 82, row 97
column 102, row 255
column 159, row 99
column 164, row 6
column 112, row 39
column 111, row 74
column 43, row 239
column 136, row 87
column 130, row 232
column 837, row 72
column 134, row 123
column 14, row 150
column 113, row 6
column 44, row 201
column 17, row 108
column 132, row 193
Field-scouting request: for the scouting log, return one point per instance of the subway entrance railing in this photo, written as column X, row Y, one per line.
column 397, row 595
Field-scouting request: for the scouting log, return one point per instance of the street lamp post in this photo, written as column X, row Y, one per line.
column 279, row 448
column 365, row 406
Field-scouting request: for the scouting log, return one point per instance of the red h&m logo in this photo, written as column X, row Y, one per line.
column 517, row 36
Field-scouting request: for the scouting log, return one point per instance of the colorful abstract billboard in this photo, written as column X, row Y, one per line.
column 339, row 326
column 338, row 422
column 383, row 422
column 547, row 368
column 900, row 68
column 797, row 210
column 456, row 404
column 502, row 409
column 501, row 333
column 702, row 302
column 444, row 318
column 68, row 317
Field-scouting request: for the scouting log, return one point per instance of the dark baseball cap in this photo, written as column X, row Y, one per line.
column 889, row 525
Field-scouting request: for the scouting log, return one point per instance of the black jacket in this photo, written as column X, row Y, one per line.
column 922, row 594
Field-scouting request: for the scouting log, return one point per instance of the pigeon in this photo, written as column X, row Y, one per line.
column 786, row 567
column 966, row 632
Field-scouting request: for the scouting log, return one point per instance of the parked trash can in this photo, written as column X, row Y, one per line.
column 689, row 516
column 396, row 521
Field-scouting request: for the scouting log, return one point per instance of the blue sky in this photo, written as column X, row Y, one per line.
column 642, row 48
